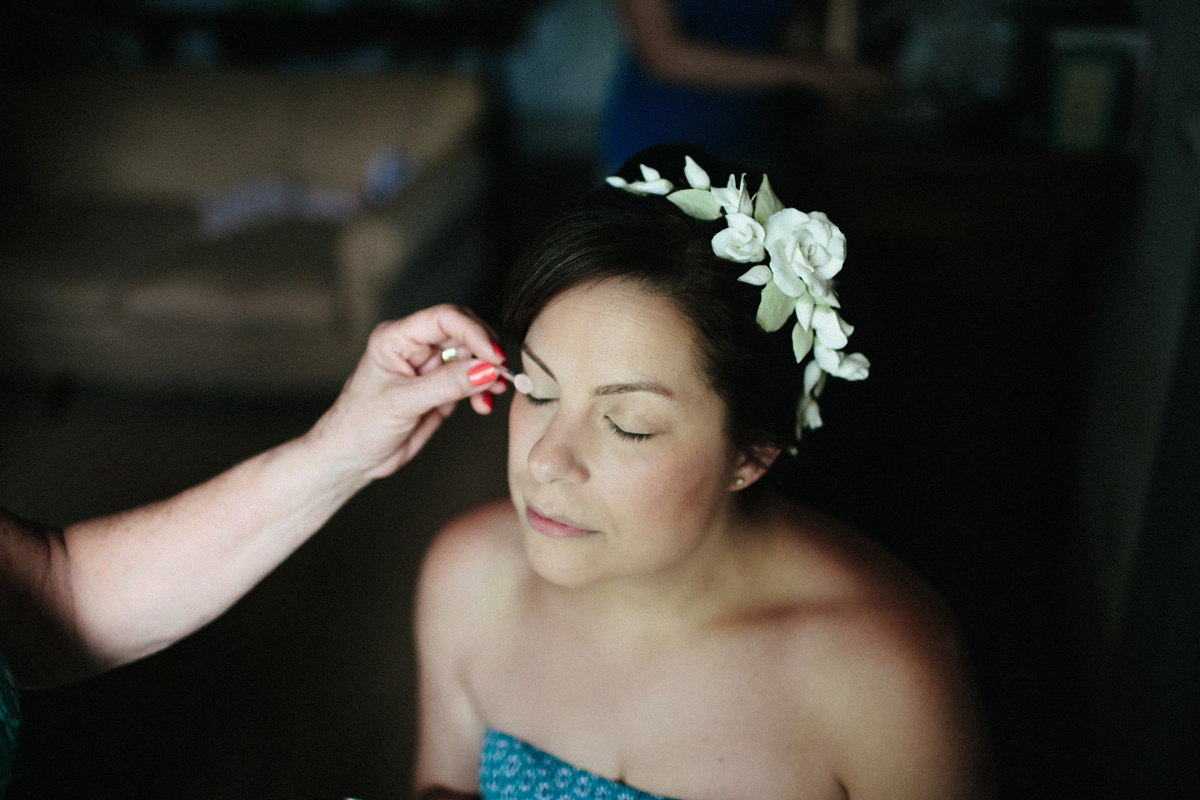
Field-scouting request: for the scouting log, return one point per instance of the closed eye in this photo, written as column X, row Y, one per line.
column 624, row 434
column 539, row 401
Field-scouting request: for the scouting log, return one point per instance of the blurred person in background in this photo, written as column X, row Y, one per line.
column 701, row 71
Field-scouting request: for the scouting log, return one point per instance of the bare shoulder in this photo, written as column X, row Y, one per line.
column 473, row 538
column 466, row 579
column 844, row 572
column 470, row 565
column 468, row 572
column 880, row 667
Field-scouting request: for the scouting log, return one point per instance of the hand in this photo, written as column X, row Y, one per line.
column 401, row 391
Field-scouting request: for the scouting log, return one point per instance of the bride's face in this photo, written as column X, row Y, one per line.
column 619, row 460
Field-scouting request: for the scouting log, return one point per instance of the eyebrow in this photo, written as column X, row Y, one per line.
column 525, row 349
column 611, row 388
column 637, row 386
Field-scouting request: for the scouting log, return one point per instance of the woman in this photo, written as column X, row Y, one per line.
column 641, row 612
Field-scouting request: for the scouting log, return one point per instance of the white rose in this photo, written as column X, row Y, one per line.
column 806, row 249
column 742, row 241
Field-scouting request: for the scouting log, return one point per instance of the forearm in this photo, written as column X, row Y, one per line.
column 673, row 57
column 703, row 66
column 142, row 579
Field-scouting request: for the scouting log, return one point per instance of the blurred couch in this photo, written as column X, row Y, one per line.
column 233, row 230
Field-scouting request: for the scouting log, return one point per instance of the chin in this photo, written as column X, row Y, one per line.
column 570, row 564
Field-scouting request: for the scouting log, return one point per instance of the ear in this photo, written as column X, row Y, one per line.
column 753, row 465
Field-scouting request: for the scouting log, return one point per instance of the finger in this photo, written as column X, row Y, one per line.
column 443, row 325
column 482, row 403
column 388, row 347
column 461, row 353
column 446, row 385
column 412, row 346
column 462, row 327
column 433, row 362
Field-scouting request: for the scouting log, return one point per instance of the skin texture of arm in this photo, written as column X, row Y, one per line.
column 671, row 57
column 107, row 591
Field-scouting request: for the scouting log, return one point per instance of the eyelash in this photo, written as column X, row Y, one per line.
column 624, row 434
column 634, row 437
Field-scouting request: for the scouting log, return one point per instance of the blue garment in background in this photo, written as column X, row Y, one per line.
column 10, row 720
column 510, row 769
column 643, row 111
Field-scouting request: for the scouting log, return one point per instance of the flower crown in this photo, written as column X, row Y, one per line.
column 803, row 253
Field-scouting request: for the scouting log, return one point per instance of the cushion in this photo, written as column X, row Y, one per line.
column 178, row 135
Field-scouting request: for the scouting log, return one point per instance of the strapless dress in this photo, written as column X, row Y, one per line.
column 510, row 769
column 10, row 721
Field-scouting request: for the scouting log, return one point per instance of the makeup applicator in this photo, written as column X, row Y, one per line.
column 520, row 382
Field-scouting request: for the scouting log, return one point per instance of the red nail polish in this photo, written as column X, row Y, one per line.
column 481, row 374
column 500, row 353
column 487, row 400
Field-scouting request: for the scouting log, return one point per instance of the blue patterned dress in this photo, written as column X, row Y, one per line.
column 10, row 720
column 510, row 769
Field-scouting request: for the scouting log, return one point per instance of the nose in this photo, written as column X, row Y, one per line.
column 555, row 457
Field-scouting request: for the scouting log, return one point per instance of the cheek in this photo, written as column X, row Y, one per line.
column 679, row 490
column 520, row 436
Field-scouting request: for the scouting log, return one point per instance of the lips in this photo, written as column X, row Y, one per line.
column 554, row 527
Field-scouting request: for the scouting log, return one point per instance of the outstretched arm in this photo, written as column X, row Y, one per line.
column 107, row 591
column 672, row 57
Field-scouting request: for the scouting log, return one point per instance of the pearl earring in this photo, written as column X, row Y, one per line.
column 739, row 481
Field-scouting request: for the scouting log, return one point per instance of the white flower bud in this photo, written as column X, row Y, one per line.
column 697, row 178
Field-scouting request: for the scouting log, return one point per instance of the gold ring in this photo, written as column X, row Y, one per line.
column 454, row 353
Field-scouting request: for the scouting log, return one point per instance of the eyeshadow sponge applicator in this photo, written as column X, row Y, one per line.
column 520, row 381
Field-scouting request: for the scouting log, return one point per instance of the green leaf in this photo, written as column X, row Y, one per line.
column 774, row 308
column 765, row 202
column 698, row 203
column 802, row 340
